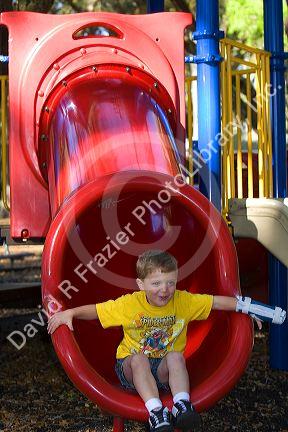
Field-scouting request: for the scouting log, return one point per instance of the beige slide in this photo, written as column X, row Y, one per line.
column 264, row 219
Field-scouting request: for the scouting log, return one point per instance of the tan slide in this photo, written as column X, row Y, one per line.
column 264, row 219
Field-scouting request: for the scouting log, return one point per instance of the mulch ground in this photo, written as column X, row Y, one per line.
column 37, row 396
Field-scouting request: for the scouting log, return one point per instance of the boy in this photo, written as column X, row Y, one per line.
column 154, row 321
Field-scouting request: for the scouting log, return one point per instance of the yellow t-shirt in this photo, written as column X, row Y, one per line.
column 153, row 330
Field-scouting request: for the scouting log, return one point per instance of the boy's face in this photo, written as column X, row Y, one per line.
column 158, row 286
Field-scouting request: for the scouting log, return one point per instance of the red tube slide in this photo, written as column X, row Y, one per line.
column 115, row 190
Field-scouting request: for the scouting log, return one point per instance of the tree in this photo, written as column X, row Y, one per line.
column 118, row 6
column 286, row 20
column 243, row 21
column 35, row 5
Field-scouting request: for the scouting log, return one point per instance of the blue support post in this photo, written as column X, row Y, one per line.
column 155, row 6
column 273, row 41
column 208, row 85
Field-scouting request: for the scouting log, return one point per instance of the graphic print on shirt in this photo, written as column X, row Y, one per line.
column 157, row 335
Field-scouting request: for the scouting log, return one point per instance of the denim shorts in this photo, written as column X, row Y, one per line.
column 154, row 363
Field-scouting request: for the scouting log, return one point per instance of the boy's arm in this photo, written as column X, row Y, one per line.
column 230, row 304
column 224, row 303
column 258, row 311
column 87, row 312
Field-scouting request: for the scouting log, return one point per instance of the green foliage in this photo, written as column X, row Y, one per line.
column 35, row 6
column 243, row 20
column 117, row 6
column 124, row 6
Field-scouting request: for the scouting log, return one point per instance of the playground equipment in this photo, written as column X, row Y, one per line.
column 97, row 129
column 257, row 218
column 268, row 174
column 94, row 122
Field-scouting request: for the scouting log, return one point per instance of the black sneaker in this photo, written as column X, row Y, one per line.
column 160, row 420
column 185, row 416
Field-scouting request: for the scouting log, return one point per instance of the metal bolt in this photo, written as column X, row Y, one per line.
column 44, row 164
column 25, row 234
column 83, row 51
column 56, row 66
column 155, row 84
column 128, row 69
column 169, row 111
column 44, row 137
column 47, row 109
column 40, row 93
column 64, row 83
column 94, row 68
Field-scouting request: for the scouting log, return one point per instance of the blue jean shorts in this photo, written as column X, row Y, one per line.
column 154, row 363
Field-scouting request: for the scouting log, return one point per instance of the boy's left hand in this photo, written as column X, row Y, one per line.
column 258, row 322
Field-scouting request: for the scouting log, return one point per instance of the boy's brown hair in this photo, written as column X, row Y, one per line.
column 153, row 260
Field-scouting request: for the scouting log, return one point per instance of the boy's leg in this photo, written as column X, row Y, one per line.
column 173, row 369
column 137, row 371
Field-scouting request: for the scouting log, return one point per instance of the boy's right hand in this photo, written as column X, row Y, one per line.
column 60, row 318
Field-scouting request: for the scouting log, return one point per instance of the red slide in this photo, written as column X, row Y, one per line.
column 132, row 199
column 108, row 158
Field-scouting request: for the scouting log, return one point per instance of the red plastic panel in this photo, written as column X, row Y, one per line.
column 190, row 228
column 38, row 62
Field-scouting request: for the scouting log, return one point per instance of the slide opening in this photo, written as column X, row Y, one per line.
column 99, row 260
column 91, row 251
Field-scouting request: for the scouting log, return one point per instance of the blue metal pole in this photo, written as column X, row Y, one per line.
column 273, row 41
column 208, row 85
column 155, row 6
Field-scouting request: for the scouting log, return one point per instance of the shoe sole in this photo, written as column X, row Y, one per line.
column 164, row 429
column 190, row 420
